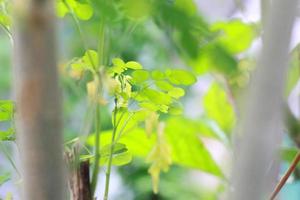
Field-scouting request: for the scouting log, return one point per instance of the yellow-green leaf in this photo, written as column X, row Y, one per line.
column 133, row 65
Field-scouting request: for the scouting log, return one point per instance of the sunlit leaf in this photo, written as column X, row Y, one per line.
column 139, row 76
column 118, row 62
column 136, row 9
column 293, row 71
column 187, row 148
column 176, row 92
column 61, row 9
column 136, row 140
column 188, row 6
column 157, row 97
column 157, row 75
column 235, row 35
column 83, row 11
column 7, row 135
column 6, row 110
column 164, row 85
column 4, row 178
column 181, row 77
column 133, row 65
column 120, row 154
column 90, row 58
column 218, row 108
column 214, row 58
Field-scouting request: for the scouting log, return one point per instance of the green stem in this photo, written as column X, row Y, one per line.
column 101, row 47
column 81, row 34
column 108, row 171
column 97, row 150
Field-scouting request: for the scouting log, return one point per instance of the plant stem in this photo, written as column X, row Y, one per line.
column 286, row 176
column 101, row 46
column 108, row 171
column 81, row 34
column 97, row 150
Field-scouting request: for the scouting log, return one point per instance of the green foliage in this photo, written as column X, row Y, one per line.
column 6, row 110
column 7, row 115
column 288, row 153
column 4, row 178
column 235, row 35
column 293, row 71
column 185, row 144
column 83, row 11
column 120, row 154
column 218, row 108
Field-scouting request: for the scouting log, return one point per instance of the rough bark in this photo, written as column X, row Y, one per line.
column 79, row 177
column 262, row 125
column 38, row 121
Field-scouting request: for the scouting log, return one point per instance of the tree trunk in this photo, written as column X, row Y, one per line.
column 79, row 176
column 262, row 126
column 38, row 106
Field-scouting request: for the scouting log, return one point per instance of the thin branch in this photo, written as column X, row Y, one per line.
column 286, row 176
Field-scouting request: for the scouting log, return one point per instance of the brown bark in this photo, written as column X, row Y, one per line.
column 38, row 123
column 79, row 177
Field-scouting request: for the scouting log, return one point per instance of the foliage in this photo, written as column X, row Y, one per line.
column 134, row 107
column 6, row 115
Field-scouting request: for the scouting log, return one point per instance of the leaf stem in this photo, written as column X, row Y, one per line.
column 286, row 176
column 109, row 165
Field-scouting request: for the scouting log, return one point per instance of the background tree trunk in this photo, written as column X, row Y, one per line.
column 38, row 104
column 262, row 125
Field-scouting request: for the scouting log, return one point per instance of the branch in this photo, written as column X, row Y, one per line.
column 286, row 176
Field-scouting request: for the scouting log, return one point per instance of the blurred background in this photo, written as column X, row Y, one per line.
column 217, row 40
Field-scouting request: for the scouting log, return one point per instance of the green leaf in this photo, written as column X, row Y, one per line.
column 61, row 9
column 188, row 150
column 180, row 77
column 176, row 92
column 293, row 71
column 175, row 109
column 214, row 58
column 133, row 65
column 157, row 97
column 6, row 110
column 120, row 155
column 288, row 153
column 188, row 6
column 90, row 58
column 136, row 140
column 136, row 9
column 4, row 178
column 164, row 85
column 139, row 76
column 118, row 62
column 5, row 20
column 8, row 135
column 83, row 11
column 186, row 147
column 218, row 108
column 157, row 75
column 235, row 35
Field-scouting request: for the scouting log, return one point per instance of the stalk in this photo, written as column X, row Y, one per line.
column 108, row 172
column 286, row 176
column 101, row 46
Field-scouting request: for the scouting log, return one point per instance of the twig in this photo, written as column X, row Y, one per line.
column 286, row 176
